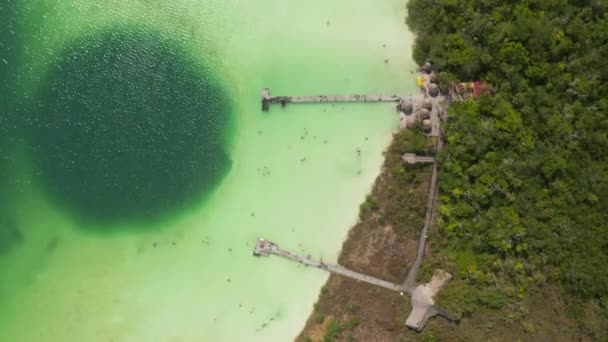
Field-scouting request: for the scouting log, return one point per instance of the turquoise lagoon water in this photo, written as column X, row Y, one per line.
column 137, row 169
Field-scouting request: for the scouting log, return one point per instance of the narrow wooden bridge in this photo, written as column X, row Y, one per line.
column 265, row 248
column 267, row 100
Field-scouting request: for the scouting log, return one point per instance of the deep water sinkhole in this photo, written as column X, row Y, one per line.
column 130, row 126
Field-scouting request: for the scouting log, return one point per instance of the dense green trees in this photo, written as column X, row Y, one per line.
column 524, row 174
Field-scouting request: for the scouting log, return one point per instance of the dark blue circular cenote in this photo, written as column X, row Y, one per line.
column 130, row 126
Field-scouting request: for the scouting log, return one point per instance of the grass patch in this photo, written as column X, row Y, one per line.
column 352, row 323
column 334, row 329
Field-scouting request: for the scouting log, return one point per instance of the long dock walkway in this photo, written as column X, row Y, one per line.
column 265, row 248
column 267, row 100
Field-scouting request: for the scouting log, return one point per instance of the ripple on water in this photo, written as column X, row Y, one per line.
column 130, row 127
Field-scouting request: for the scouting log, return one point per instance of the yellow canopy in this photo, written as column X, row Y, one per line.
column 420, row 81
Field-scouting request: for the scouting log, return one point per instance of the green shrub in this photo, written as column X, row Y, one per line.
column 353, row 307
column 333, row 330
column 352, row 323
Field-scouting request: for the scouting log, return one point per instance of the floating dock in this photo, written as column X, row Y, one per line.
column 265, row 248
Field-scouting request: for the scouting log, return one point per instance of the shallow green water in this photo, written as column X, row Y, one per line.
column 137, row 168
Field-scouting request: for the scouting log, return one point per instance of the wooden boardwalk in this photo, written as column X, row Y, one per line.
column 267, row 100
column 415, row 100
column 423, row 304
column 410, row 278
column 411, row 158
column 265, row 248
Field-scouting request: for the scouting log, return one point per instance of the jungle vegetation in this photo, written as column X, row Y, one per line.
column 524, row 171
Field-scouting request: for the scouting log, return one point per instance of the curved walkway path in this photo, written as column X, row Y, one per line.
column 410, row 278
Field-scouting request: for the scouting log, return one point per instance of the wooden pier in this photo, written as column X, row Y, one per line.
column 405, row 103
column 267, row 100
column 265, row 248
column 423, row 304
column 411, row 158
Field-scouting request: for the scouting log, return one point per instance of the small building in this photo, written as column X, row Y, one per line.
column 423, row 114
column 433, row 89
column 406, row 107
column 467, row 90
column 426, row 124
column 427, row 104
column 427, row 68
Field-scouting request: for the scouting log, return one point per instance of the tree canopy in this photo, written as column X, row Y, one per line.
column 524, row 173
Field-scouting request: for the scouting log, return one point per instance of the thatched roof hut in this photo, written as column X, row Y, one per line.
column 423, row 113
column 426, row 104
column 427, row 68
column 433, row 89
column 406, row 107
column 411, row 122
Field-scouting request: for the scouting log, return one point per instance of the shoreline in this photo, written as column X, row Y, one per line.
column 379, row 247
